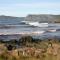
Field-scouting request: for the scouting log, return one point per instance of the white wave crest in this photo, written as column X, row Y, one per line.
column 38, row 32
column 52, row 30
column 36, row 24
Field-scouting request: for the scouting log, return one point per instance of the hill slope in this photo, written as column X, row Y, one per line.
column 3, row 17
column 43, row 18
column 10, row 19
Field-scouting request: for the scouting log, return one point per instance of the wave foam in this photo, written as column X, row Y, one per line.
column 52, row 30
column 38, row 32
column 36, row 24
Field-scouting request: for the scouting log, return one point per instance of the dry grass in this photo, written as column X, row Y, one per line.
column 38, row 51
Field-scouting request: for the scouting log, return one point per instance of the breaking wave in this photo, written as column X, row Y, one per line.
column 36, row 24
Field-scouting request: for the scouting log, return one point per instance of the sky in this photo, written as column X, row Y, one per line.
column 22, row 8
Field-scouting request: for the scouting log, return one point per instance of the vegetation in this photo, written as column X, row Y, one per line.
column 30, row 49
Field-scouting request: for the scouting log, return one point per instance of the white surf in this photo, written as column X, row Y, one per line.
column 36, row 24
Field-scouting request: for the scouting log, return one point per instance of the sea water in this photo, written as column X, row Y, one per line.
column 14, row 29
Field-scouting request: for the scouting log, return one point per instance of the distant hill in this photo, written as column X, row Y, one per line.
column 40, row 18
column 10, row 19
column 3, row 17
column 44, row 18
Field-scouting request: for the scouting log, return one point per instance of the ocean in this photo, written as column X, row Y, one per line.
column 14, row 29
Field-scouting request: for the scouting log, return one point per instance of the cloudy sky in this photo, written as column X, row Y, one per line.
column 25, row 7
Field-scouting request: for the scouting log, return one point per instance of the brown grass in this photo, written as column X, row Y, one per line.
column 38, row 51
